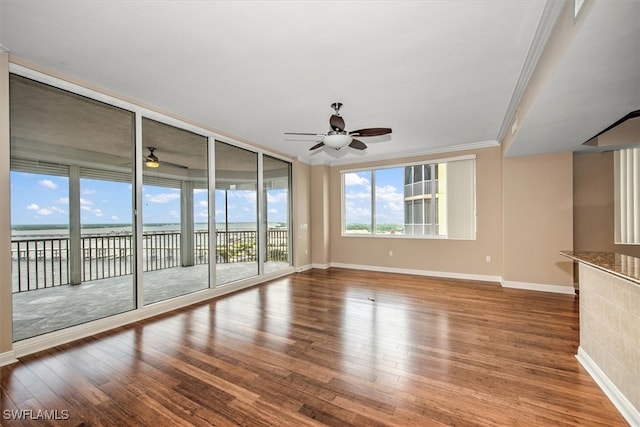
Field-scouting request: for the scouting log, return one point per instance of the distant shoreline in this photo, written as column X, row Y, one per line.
column 33, row 230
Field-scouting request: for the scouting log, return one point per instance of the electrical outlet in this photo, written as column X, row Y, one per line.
column 390, row 253
column 488, row 258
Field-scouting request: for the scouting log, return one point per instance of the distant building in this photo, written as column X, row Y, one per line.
column 425, row 199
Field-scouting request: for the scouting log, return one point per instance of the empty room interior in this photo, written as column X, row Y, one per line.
column 360, row 213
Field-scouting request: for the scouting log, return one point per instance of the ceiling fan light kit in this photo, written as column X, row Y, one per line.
column 151, row 160
column 337, row 138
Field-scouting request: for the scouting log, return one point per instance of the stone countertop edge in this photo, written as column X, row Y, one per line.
column 625, row 266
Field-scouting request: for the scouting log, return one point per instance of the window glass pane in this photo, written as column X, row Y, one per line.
column 105, row 215
column 236, row 213
column 170, row 244
column 201, row 225
column 276, row 183
column 417, row 173
column 443, row 204
column 357, row 202
column 408, row 175
column 72, row 174
column 418, row 212
column 389, row 201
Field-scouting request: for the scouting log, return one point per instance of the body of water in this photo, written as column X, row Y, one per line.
column 58, row 230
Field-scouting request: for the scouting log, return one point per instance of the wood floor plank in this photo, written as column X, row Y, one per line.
column 326, row 347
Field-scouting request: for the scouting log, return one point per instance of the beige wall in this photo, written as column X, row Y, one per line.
column 5, row 210
column 538, row 218
column 301, row 183
column 320, row 204
column 560, row 39
column 593, row 202
column 437, row 255
column 593, row 205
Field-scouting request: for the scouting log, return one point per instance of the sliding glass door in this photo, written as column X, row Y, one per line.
column 276, row 182
column 98, row 232
column 174, row 246
column 236, row 211
column 71, row 180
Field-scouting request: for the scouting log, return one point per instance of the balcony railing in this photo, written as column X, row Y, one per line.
column 44, row 263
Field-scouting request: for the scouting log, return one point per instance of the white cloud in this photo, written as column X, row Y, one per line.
column 280, row 197
column 62, row 201
column 162, row 197
column 85, row 202
column 358, row 196
column 249, row 196
column 203, row 203
column 89, row 191
column 48, row 184
column 115, row 218
column 174, row 214
column 96, row 212
column 273, row 211
column 356, row 214
column 44, row 211
column 388, row 193
column 354, row 179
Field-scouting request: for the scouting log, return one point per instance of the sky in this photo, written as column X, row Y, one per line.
column 389, row 196
column 44, row 199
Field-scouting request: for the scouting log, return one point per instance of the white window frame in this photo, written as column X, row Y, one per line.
column 372, row 170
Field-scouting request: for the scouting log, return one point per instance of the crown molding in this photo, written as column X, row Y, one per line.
column 550, row 14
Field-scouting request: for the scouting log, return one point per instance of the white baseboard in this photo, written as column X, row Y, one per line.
column 619, row 400
column 569, row 290
column 321, row 266
column 558, row 289
column 7, row 358
column 304, row 268
column 444, row 274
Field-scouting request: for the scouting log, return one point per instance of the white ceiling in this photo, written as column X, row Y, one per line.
column 442, row 74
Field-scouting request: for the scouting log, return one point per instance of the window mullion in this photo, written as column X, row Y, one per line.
column 373, row 202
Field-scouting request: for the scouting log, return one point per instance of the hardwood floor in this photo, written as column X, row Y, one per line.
column 337, row 347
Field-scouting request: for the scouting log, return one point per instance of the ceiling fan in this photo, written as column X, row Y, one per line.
column 338, row 138
column 151, row 161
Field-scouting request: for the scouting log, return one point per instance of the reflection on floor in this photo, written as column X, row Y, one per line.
column 51, row 309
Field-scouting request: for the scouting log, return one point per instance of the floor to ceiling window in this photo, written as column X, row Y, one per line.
column 276, row 217
column 72, row 174
column 174, row 246
column 98, row 232
column 236, row 210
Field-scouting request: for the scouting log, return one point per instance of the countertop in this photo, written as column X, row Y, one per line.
column 625, row 266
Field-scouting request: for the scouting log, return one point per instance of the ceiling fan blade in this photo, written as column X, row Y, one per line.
column 315, row 147
column 336, row 122
column 173, row 165
column 370, row 132
column 358, row 145
column 304, row 133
